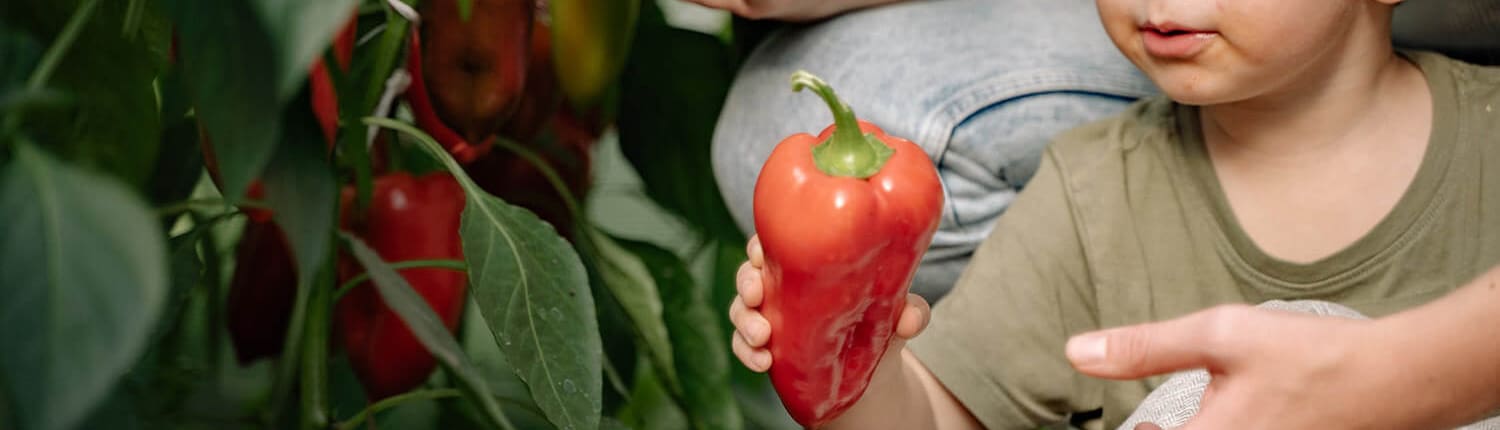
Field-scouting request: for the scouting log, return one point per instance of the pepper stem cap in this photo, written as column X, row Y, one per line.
column 849, row 152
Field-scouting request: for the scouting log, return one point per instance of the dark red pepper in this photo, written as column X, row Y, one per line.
column 843, row 218
column 264, row 288
column 408, row 219
column 468, row 75
column 262, row 292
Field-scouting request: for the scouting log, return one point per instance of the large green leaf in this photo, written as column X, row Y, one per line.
column 85, row 274
column 673, row 88
column 533, row 292
column 302, row 30
column 300, row 189
column 698, row 341
column 426, row 326
column 111, row 119
column 630, row 283
column 239, row 92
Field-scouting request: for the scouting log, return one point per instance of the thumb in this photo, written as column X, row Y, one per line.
column 1138, row 351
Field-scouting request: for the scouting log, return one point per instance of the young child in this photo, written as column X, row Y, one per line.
column 1295, row 155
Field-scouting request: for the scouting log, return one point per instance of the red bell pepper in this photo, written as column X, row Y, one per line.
column 408, row 219
column 843, row 218
column 262, row 291
column 264, row 288
column 468, row 76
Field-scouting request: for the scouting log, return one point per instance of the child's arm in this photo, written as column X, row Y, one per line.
column 1435, row 366
column 902, row 393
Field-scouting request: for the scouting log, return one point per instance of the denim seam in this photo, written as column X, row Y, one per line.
column 939, row 125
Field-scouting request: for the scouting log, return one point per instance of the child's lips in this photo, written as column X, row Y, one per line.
column 1175, row 43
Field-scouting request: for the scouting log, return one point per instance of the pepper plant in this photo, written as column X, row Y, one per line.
column 362, row 214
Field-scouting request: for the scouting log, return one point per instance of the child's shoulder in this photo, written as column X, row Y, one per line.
column 1473, row 82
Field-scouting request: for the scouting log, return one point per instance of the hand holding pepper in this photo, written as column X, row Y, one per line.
column 752, row 331
column 842, row 218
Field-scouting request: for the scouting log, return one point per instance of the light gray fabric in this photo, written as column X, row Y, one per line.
column 1176, row 401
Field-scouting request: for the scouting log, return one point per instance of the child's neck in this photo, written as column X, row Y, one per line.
column 1310, row 170
column 1360, row 93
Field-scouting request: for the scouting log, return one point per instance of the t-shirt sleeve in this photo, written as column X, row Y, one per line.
column 996, row 341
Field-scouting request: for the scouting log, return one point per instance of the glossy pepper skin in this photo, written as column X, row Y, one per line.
column 843, row 219
column 468, row 76
column 408, row 219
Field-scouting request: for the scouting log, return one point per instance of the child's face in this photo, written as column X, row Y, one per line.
column 1220, row 51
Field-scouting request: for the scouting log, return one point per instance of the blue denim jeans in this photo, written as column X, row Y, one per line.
column 981, row 85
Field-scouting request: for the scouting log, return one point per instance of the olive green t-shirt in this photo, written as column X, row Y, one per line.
column 1125, row 223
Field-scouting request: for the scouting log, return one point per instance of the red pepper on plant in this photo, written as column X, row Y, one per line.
column 468, row 76
column 264, row 287
column 408, row 219
column 542, row 97
column 325, row 99
column 843, row 218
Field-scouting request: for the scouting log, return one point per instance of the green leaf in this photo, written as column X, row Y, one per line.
column 19, row 53
column 698, row 341
column 234, row 90
column 239, row 92
column 651, row 405
column 427, row 327
column 111, row 123
column 179, row 158
column 301, row 191
column 85, row 273
column 632, row 286
column 534, row 294
column 673, row 88
column 302, row 30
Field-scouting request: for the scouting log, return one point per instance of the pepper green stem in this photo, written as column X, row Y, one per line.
column 849, row 152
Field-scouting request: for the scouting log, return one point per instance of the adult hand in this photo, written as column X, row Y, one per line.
column 1275, row 370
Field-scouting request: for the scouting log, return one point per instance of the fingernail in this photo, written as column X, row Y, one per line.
column 1087, row 349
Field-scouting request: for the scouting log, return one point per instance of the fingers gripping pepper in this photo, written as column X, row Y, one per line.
column 408, row 219
column 843, row 218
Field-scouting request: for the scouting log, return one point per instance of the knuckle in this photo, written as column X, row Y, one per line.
column 1224, row 325
column 1131, row 349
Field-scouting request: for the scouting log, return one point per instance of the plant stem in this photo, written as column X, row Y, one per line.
column 547, row 171
column 62, row 45
column 390, row 402
column 455, row 265
column 615, row 381
column 205, row 203
column 315, row 350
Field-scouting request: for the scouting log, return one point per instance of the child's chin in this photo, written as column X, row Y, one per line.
column 1197, row 94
